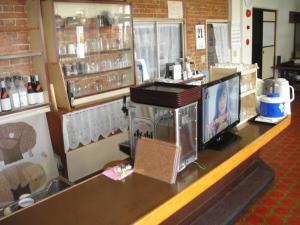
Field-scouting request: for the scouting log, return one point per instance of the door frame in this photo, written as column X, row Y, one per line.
column 261, row 47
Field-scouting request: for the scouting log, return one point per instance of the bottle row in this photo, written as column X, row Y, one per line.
column 16, row 95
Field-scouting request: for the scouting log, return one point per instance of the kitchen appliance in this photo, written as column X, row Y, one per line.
column 174, row 125
column 169, row 70
column 272, row 106
column 282, row 87
column 173, row 71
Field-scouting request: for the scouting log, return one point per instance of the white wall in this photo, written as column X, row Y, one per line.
column 235, row 18
column 285, row 31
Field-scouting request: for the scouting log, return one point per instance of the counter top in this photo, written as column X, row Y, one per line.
column 143, row 200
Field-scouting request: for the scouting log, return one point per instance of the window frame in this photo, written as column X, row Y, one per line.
column 156, row 22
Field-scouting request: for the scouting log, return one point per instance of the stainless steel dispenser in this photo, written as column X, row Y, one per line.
column 175, row 125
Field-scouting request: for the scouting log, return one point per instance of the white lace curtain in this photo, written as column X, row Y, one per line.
column 87, row 125
column 151, row 37
column 221, row 34
column 145, row 45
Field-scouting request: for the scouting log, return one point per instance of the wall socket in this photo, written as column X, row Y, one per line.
column 203, row 59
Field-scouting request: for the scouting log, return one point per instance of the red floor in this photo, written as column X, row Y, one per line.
column 281, row 203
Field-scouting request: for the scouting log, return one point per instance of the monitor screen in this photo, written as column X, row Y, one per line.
column 220, row 106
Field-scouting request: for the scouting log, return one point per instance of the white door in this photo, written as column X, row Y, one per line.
column 268, row 48
column 267, row 62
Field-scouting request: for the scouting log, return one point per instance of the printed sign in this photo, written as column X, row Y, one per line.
column 200, row 37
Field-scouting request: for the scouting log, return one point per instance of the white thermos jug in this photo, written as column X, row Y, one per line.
column 281, row 86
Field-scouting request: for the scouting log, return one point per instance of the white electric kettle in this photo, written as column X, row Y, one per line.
column 281, row 86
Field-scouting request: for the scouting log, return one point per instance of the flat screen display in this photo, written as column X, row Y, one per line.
column 220, row 106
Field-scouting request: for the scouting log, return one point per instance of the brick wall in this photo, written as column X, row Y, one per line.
column 13, row 13
column 149, row 8
column 195, row 12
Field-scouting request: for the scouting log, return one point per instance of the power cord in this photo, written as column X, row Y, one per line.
column 200, row 165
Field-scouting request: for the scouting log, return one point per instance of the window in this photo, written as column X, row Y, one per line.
column 218, row 43
column 158, row 43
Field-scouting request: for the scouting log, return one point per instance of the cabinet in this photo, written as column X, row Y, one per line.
column 248, row 85
column 22, row 50
column 90, row 50
column 86, row 139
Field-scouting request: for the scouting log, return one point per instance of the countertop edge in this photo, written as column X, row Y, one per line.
column 175, row 203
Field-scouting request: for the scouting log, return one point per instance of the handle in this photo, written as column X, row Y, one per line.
column 293, row 93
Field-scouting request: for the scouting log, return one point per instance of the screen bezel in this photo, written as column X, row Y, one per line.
column 200, row 115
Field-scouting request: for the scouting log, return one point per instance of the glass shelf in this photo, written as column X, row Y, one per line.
column 23, row 109
column 96, row 53
column 99, row 82
column 96, row 73
column 93, row 49
column 20, row 55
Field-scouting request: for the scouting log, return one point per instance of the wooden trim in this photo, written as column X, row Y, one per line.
column 45, row 79
column 56, row 78
column 29, row 107
column 55, row 129
column 24, row 112
column 100, row 98
column 169, row 207
column 102, row 92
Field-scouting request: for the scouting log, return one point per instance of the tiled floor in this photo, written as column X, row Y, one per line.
column 281, row 203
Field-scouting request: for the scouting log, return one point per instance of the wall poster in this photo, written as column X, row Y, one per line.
column 200, row 37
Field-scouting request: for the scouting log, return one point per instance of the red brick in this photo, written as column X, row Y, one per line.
column 7, row 22
column 19, row 8
column 13, row 2
column 21, row 22
column 5, row 15
column 8, row 8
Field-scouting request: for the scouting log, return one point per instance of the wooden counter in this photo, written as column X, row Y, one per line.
column 142, row 200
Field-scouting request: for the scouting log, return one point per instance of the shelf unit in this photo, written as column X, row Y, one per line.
column 32, row 57
column 248, row 85
column 90, row 50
